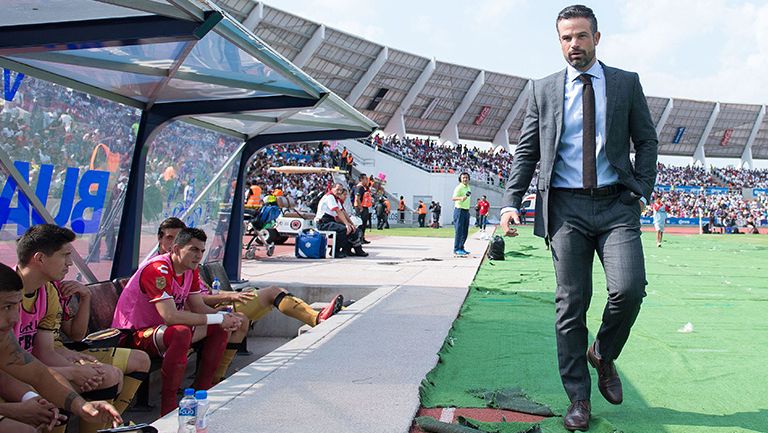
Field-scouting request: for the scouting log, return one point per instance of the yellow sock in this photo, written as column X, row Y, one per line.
column 294, row 307
column 226, row 360
column 130, row 386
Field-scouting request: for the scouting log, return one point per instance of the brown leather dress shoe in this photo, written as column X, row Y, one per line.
column 608, row 381
column 577, row 417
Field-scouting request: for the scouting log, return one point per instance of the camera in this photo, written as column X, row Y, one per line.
column 469, row 193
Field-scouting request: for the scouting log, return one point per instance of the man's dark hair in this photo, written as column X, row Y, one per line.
column 362, row 176
column 170, row 223
column 10, row 281
column 578, row 11
column 189, row 233
column 44, row 238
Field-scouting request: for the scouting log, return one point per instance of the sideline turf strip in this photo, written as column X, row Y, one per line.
column 710, row 380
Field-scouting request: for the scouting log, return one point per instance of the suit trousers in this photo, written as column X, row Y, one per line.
column 580, row 226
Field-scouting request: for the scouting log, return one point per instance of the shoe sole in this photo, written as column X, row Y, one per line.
column 336, row 304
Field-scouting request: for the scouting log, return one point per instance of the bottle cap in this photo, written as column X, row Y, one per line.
column 201, row 395
column 215, row 279
column 189, row 391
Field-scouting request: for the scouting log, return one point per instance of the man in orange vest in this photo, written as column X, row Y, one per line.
column 401, row 209
column 422, row 209
column 363, row 203
column 254, row 197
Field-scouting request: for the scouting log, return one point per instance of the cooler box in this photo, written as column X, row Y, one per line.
column 310, row 244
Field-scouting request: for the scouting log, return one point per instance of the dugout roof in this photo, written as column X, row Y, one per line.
column 186, row 58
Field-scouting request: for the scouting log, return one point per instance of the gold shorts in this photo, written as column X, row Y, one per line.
column 115, row 356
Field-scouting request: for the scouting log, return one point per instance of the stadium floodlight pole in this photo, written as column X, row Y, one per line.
column 37, row 205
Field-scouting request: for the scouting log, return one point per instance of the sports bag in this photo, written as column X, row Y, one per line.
column 496, row 251
column 311, row 244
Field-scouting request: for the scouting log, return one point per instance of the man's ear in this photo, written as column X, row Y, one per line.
column 597, row 38
column 38, row 257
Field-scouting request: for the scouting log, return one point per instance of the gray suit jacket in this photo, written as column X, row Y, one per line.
column 627, row 116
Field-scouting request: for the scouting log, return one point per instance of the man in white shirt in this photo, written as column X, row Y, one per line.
column 331, row 216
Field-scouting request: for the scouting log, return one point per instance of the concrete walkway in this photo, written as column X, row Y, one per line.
column 359, row 371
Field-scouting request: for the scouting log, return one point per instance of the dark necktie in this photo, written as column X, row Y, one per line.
column 589, row 167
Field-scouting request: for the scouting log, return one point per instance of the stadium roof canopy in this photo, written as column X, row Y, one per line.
column 412, row 94
column 183, row 59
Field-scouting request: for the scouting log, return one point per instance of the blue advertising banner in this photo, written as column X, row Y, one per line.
column 80, row 197
column 686, row 188
column 678, row 135
column 757, row 191
column 663, row 188
column 672, row 221
column 716, row 190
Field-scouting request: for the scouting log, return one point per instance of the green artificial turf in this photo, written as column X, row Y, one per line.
column 710, row 380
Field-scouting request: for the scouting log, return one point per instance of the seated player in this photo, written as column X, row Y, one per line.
column 134, row 364
column 162, row 305
column 44, row 256
column 252, row 305
column 22, row 369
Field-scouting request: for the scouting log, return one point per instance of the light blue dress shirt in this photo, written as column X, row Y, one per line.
column 567, row 172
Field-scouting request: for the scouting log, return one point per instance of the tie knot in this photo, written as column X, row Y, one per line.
column 586, row 79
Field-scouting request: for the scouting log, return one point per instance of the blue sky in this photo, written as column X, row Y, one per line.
column 713, row 50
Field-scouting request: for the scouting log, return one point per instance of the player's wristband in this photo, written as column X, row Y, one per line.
column 214, row 319
column 29, row 395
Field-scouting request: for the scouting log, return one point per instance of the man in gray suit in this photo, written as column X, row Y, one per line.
column 578, row 125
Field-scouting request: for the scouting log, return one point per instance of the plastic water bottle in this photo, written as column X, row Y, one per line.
column 188, row 412
column 215, row 286
column 202, row 411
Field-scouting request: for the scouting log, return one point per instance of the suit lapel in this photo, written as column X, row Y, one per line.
column 610, row 96
column 558, row 98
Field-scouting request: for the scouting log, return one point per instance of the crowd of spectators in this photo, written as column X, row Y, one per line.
column 686, row 175
column 743, row 178
column 486, row 165
column 731, row 205
column 303, row 187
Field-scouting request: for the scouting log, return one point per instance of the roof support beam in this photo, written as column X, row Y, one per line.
column 699, row 155
column 746, row 156
column 451, row 130
column 109, row 32
column 192, row 108
column 502, row 135
column 254, row 17
column 664, row 117
column 396, row 124
column 150, row 6
column 310, row 47
column 368, row 77
column 68, row 82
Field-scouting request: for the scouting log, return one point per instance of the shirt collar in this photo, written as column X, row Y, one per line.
column 596, row 71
